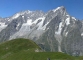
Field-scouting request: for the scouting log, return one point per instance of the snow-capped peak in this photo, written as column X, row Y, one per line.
column 54, row 10
column 29, row 11
column 21, row 13
column 58, row 8
column 16, row 16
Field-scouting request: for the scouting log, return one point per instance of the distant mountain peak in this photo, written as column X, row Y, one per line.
column 59, row 8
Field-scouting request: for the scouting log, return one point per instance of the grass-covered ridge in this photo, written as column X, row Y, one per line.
column 18, row 44
column 24, row 49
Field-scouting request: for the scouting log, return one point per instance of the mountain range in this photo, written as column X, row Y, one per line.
column 54, row 31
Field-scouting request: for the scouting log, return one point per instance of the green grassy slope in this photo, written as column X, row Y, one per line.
column 24, row 49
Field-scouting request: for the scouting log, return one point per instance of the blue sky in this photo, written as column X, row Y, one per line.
column 10, row 7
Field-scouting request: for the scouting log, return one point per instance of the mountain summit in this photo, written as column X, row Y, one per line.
column 53, row 31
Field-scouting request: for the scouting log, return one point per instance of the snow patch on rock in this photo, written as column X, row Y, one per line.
column 67, row 21
column 59, row 29
column 44, row 27
column 74, row 18
column 17, row 26
column 37, row 20
column 66, row 34
column 41, row 24
column 29, row 22
column 67, row 15
column 81, row 34
column 2, row 26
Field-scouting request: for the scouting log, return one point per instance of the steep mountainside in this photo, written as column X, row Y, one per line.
column 55, row 30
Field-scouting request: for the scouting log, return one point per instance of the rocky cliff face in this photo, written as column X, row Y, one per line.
column 55, row 30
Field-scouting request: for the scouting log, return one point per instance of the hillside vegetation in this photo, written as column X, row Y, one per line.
column 24, row 49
